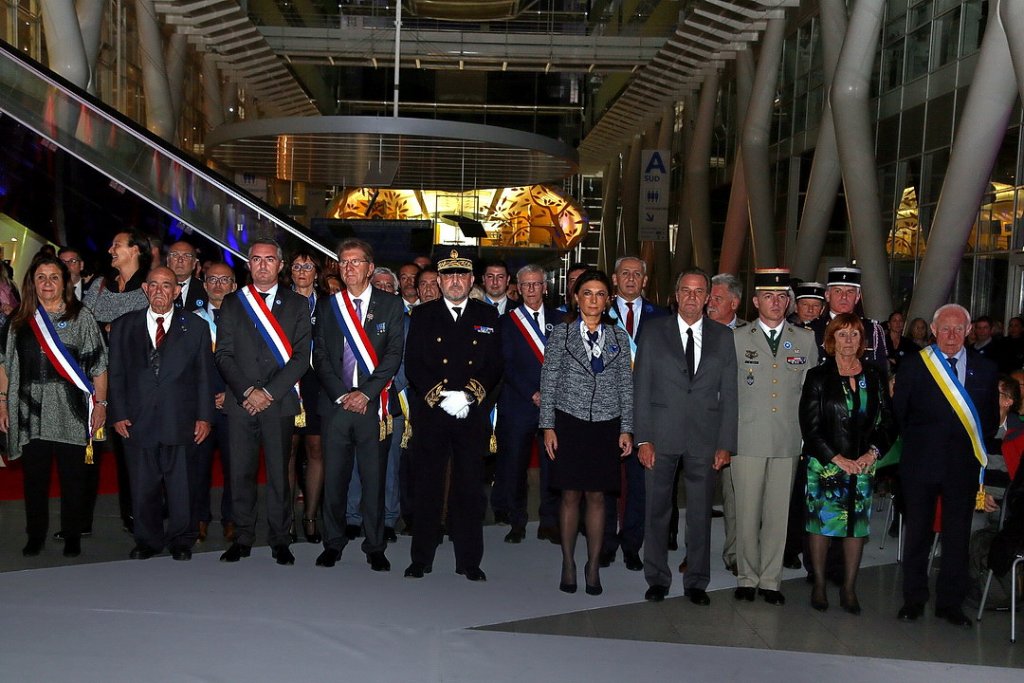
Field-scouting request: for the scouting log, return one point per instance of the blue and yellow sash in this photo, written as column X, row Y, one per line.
column 961, row 403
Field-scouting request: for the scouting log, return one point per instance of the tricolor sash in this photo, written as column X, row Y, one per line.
column 530, row 329
column 362, row 349
column 65, row 365
column 961, row 403
column 268, row 327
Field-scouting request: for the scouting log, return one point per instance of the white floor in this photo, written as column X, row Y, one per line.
column 162, row 620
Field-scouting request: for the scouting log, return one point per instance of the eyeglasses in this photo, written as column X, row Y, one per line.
column 296, row 267
column 530, row 285
column 224, row 280
column 71, row 261
column 354, row 262
column 180, row 256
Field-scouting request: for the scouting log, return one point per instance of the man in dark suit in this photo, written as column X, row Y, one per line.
column 452, row 361
column 352, row 377
column 524, row 331
column 632, row 312
column 161, row 366
column 261, row 370
column 685, row 409
column 939, row 459
column 181, row 259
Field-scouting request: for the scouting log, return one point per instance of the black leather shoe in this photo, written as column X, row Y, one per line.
column 472, row 573
column 732, row 568
column 389, row 534
column 417, row 570
column 819, row 599
column 953, row 615
column 716, row 513
column 849, row 602
column 632, row 560
column 910, row 611
column 606, row 558
column 283, row 554
column 501, row 518
column 72, row 546
column 656, row 593
column 565, row 585
column 698, row 597
column 791, row 562
column 181, row 553
column 328, row 557
column 772, row 597
column 310, row 531
column 515, row 536
column 33, row 547
column 550, row 534
column 353, row 531
column 235, row 552
column 141, row 552
column 378, row 562
column 744, row 593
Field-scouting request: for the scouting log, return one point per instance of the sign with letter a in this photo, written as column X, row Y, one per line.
column 655, row 181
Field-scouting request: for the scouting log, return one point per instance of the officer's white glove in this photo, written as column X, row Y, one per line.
column 455, row 403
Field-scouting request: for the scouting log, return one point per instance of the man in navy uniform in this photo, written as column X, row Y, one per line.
column 453, row 361
column 842, row 294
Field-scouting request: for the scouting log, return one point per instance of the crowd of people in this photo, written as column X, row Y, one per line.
column 391, row 401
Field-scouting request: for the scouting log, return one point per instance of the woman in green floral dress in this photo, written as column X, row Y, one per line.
column 846, row 422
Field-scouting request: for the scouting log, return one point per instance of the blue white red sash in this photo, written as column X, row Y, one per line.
column 359, row 342
column 530, row 329
column 961, row 403
column 62, row 360
column 268, row 327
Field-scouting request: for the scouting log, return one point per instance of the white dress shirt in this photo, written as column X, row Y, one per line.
column 623, row 311
column 451, row 307
column 151, row 317
column 698, row 338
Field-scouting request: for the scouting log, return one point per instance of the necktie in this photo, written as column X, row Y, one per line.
column 536, row 317
column 458, row 312
column 264, row 295
column 348, row 358
column 691, row 356
column 952, row 363
column 596, row 362
column 160, row 334
column 773, row 341
column 629, row 318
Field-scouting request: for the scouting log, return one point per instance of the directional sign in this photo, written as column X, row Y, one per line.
column 655, row 182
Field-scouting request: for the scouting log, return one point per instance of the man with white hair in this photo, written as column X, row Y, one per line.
column 947, row 406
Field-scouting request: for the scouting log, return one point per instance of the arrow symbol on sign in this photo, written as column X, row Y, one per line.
column 650, row 218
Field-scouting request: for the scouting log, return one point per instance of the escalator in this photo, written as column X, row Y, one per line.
column 73, row 170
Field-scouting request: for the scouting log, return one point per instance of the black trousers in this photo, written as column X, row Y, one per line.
column 158, row 474
column 217, row 440
column 353, row 440
column 246, row 433
column 37, row 458
column 437, row 438
column 958, row 489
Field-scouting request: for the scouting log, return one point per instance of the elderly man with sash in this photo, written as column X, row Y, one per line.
column 358, row 349
column 524, row 331
column 947, row 406
column 263, row 349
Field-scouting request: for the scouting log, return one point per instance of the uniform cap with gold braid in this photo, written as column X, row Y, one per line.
column 455, row 264
column 772, row 279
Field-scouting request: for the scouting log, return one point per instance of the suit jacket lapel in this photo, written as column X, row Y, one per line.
column 574, row 345
column 675, row 349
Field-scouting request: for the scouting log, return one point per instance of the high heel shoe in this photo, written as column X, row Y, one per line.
column 314, row 536
column 849, row 602
column 592, row 588
column 566, row 586
column 819, row 599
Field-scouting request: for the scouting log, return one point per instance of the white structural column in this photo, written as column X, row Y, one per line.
column 90, row 21
column 213, row 104
column 979, row 135
column 697, row 184
column 737, row 218
column 159, row 108
column 64, row 41
column 609, row 214
column 177, row 51
column 756, row 165
column 825, row 177
column 850, row 99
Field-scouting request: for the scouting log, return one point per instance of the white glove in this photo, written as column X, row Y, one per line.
column 455, row 403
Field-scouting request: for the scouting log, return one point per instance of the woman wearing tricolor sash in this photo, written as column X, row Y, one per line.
column 53, row 390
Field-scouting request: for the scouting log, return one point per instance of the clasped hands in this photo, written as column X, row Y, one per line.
column 257, row 400
column 858, row 466
column 455, row 403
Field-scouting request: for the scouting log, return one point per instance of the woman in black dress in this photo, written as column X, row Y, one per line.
column 586, row 412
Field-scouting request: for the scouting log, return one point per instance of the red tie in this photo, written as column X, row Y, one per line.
column 160, row 331
column 629, row 318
